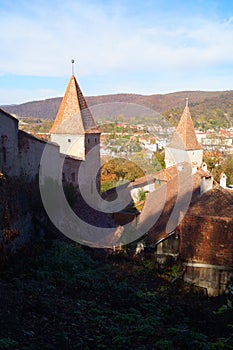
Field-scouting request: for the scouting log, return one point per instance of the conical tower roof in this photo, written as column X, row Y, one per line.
column 185, row 136
column 74, row 116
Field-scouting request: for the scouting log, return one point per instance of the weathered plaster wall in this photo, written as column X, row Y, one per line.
column 70, row 168
column 8, row 144
column 30, row 153
column 22, row 217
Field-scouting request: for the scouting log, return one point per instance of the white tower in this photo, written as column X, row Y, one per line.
column 75, row 130
column 184, row 145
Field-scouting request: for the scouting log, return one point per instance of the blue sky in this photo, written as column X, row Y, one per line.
column 144, row 47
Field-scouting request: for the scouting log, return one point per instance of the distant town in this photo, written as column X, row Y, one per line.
column 139, row 142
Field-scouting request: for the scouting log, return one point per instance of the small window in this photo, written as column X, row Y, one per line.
column 88, row 140
column 39, row 169
column 63, row 177
column 95, row 140
column 4, row 154
column 69, row 140
column 73, row 177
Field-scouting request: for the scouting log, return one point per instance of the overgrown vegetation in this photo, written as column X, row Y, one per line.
column 60, row 296
column 118, row 169
column 217, row 165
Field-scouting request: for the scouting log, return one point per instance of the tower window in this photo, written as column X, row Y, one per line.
column 95, row 140
column 73, row 177
column 4, row 154
column 88, row 140
column 63, row 177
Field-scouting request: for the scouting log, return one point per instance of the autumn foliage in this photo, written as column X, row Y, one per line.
column 119, row 169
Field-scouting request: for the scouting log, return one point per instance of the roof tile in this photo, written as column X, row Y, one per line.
column 74, row 116
column 185, row 137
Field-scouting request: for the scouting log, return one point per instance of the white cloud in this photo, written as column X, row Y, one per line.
column 42, row 37
column 42, row 44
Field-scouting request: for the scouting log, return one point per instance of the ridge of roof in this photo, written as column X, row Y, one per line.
column 8, row 115
column 74, row 116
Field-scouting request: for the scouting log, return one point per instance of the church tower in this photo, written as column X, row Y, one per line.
column 75, row 130
column 184, row 146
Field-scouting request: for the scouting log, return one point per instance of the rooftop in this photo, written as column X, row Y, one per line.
column 185, row 136
column 74, row 116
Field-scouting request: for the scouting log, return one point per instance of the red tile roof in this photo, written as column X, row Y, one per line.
column 217, row 202
column 74, row 116
column 185, row 137
column 176, row 194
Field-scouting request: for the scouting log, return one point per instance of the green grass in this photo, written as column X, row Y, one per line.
column 60, row 296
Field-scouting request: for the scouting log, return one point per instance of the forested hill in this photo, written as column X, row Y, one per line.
column 206, row 107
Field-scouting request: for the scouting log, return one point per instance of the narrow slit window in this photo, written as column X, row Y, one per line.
column 73, row 177
column 4, row 154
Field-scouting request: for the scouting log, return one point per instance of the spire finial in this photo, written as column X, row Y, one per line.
column 72, row 63
column 187, row 101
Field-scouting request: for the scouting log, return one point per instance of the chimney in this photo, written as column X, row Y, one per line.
column 223, row 180
column 206, row 184
column 204, row 166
